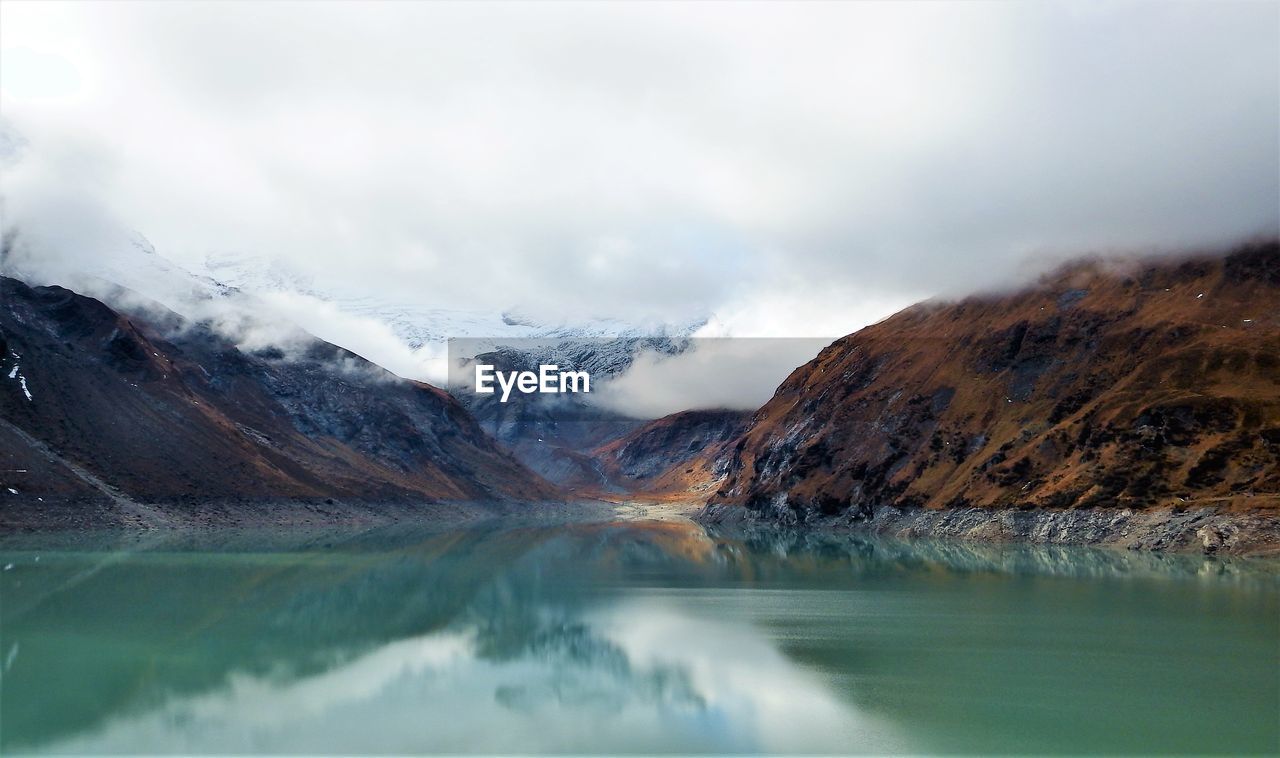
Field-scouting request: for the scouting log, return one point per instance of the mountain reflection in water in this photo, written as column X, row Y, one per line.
column 627, row 637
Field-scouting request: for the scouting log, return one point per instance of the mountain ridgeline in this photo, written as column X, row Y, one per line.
column 670, row 458
column 1069, row 411
column 98, row 406
column 1106, row 386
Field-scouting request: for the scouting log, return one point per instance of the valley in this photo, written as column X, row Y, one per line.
column 1132, row 403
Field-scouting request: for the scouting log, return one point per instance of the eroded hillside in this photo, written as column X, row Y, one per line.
column 1106, row 385
column 98, row 405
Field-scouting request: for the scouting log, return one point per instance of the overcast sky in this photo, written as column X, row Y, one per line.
column 793, row 169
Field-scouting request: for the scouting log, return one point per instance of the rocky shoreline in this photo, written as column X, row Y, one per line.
column 1204, row 530
column 22, row 514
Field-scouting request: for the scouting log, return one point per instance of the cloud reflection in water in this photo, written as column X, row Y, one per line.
column 638, row 676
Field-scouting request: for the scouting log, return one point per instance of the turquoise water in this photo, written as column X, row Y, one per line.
column 631, row 637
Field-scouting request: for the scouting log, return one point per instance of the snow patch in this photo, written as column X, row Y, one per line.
column 22, row 380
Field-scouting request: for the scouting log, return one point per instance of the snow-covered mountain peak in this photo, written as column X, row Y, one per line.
column 400, row 334
column 252, row 273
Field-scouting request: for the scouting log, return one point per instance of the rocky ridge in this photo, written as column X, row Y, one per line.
column 117, row 410
column 1108, row 392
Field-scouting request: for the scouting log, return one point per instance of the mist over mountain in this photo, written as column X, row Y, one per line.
column 148, row 418
column 701, row 180
column 429, row 377
column 644, row 162
column 1121, row 386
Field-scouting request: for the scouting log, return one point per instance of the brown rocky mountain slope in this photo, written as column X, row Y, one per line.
column 670, row 457
column 96, row 405
column 1107, row 385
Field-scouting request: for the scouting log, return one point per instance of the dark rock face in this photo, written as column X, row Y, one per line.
column 671, row 455
column 154, row 409
column 1155, row 385
column 671, row 441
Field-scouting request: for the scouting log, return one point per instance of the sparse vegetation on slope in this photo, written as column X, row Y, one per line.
column 1107, row 385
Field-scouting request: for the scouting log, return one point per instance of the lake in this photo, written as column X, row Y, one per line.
column 626, row 637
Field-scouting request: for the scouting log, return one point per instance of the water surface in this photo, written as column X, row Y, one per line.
column 643, row 637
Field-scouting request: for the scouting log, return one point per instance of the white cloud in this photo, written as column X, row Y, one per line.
column 650, row 678
column 70, row 238
column 653, row 161
column 368, row 337
column 739, row 374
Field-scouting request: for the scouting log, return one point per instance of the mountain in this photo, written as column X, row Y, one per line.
column 1107, row 387
column 671, row 457
column 553, row 436
column 230, row 289
column 245, row 283
column 151, row 408
column 420, row 325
